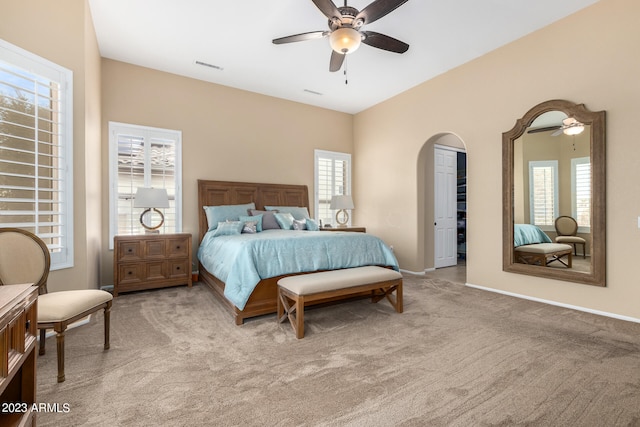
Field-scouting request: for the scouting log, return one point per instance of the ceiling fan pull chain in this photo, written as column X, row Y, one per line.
column 346, row 79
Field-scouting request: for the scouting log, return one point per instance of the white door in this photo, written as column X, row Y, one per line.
column 446, row 220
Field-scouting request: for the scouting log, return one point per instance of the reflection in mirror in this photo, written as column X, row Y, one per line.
column 552, row 178
column 554, row 194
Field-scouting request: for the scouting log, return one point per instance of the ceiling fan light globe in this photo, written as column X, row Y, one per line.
column 574, row 130
column 345, row 40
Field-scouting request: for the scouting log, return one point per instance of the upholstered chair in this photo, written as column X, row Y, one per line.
column 567, row 228
column 24, row 258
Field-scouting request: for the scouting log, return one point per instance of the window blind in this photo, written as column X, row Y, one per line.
column 543, row 183
column 35, row 146
column 143, row 157
column 333, row 177
column 581, row 189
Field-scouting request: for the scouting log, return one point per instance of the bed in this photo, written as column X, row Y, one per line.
column 235, row 287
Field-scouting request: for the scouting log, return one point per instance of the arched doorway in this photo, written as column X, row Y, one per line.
column 429, row 191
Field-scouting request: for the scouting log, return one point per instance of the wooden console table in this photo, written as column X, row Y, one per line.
column 18, row 331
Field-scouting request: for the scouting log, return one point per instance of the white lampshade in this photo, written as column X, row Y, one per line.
column 151, row 198
column 345, row 40
column 341, row 202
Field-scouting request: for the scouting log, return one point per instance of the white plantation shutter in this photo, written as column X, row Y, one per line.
column 581, row 191
column 36, row 123
column 332, row 178
column 143, row 157
column 543, row 192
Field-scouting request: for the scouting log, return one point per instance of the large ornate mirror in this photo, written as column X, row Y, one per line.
column 554, row 193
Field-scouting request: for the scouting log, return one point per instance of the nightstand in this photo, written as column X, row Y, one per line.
column 151, row 261
column 356, row 229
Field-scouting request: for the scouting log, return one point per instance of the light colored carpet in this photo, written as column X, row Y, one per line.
column 456, row 357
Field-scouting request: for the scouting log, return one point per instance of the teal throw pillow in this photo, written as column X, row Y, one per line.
column 312, row 225
column 228, row 228
column 256, row 218
column 285, row 220
column 298, row 212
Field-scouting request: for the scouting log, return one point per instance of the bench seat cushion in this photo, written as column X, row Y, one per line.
column 544, row 248
column 569, row 239
column 64, row 305
column 306, row 284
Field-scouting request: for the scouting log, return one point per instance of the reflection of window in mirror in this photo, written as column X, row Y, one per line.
column 581, row 192
column 543, row 193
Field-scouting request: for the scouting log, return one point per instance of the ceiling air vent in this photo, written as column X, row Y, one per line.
column 204, row 64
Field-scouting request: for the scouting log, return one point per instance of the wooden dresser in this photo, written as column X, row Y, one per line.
column 151, row 261
column 18, row 330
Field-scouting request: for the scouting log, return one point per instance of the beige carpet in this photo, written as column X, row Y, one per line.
column 456, row 357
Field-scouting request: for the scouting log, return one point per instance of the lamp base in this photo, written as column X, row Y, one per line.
column 342, row 222
column 148, row 228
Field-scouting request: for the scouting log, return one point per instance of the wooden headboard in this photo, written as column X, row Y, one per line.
column 215, row 193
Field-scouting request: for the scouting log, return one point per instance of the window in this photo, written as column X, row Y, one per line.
column 36, row 150
column 543, row 193
column 581, row 191
column 332, row 178
column 142, row 156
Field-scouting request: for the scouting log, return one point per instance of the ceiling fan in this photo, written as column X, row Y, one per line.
column 570, row 126
column 345, row 29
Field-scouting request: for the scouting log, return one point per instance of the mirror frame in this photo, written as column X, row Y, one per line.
column 597, row 120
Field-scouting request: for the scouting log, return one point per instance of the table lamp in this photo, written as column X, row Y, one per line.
column 151, row 199
column 342, row 203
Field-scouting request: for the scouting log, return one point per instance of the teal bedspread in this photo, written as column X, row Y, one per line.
column 528, row 234
column 241, row 261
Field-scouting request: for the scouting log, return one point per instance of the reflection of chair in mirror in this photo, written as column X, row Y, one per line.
column 567, row 228
column 24, row 258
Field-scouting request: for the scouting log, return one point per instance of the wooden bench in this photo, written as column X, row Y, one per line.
column 295, row 291
column 544, row 254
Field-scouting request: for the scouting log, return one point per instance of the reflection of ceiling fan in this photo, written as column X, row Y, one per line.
column 345, row 33
column 570, row 126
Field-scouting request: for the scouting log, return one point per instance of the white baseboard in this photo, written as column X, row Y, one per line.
column 559, row 304
column 418, row 273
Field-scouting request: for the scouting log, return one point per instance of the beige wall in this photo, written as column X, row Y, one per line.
column 227, row 134
column 585, row 58
column 62, row 32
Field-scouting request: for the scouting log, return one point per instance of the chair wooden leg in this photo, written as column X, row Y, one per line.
column 300, row 318
column 43, row 336
column 60, row 347
column 107, row 321
column 279, row 307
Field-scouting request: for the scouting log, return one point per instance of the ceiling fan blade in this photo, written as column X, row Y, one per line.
column 301, row 37
column 377, row 10
column 328, row 8
column 336, row 61
column 544, row 129
column 384, row 42
column 558, row 132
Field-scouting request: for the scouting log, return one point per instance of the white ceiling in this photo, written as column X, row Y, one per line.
column 170, row 35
